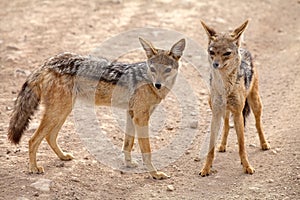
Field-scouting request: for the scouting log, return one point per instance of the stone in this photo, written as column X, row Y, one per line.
column 197, row 159
column 194, row 124
column 22, row 198
column 193, row 114
column 270, row 181
column 170, row 188
column 8, row 108
column 252, row 145
column 256, row 189
column 274, row 152
column 42, row 185
column 12, row 47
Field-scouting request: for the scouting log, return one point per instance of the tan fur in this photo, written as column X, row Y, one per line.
column 57, row 88
column 231, row 86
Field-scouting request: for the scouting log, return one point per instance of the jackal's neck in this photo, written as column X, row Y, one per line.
column 161, row 93
column 224, row 80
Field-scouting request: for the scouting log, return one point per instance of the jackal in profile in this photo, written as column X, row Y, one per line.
column 140, row 87
column 233, row 89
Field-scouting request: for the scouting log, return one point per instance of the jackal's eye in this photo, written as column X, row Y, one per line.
column 152, row 69
column 211, row 53
column 227, row 53
column 168, row 70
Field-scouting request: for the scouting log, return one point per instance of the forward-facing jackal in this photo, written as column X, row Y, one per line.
column 233, row 89
column 62, row 80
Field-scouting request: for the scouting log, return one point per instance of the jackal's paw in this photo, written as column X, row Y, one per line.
column 265, row 146
column 131, row 163
column 67, row 156
column 249, row 170
column 222, row 148
column 159, row 175
column 36, row 170
column 205, row 172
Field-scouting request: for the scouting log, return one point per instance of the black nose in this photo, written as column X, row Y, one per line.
column 215, row 65
column 157, row 85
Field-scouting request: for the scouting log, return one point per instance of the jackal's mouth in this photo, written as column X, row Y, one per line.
column 222, row 66
column 225, row 65
column 218, row 66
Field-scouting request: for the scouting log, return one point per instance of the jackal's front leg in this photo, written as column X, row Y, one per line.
column 128, row 142
column 222, row 147
column 218, row 112
column 144, row 143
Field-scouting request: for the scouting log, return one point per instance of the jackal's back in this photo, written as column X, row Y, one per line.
column 99, row 69
column 246, row 67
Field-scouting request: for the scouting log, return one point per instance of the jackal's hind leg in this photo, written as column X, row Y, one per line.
column 239, row 127
column 35, row 142
column 52, row 136
column 256, row 106
column 128, row 142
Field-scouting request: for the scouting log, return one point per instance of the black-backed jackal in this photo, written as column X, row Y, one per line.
column 141, row 85
column 233, row 89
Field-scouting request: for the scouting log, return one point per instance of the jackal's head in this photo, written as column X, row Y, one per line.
column 223, row 48
column 163, row 64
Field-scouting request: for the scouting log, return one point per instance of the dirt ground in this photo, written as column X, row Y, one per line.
column 33, row 30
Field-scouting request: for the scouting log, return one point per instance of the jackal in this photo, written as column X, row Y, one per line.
column 233, row 89
column 141, row 86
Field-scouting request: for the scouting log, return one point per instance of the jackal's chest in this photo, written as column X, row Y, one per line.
column 235, row 100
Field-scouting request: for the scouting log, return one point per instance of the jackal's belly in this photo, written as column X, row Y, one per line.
column 108, row 94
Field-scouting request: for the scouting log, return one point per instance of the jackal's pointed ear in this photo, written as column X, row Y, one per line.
column 177, row 49
column 148, row 47
column 211, row 33
column 238, row 32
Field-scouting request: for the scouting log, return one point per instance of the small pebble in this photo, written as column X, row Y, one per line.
column 22, row 198
column 274, row 151
column 254, row 188
column 62, row 164
column 11, row 47
column 193, row 114
column 8, row 108
column 197, row 159
column 277, row 150
column 252, row 145
column 194, row 124
column 170, row 188
column 152, row 195
column 42, row 185
column 74, row 179
column 270, row 181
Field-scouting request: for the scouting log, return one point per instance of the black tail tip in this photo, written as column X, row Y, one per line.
column 13, row 138
column 246, row 111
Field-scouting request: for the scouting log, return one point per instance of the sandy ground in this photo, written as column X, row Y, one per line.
column 32, row 31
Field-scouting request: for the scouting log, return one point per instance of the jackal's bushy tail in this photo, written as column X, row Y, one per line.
column 27, row 102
